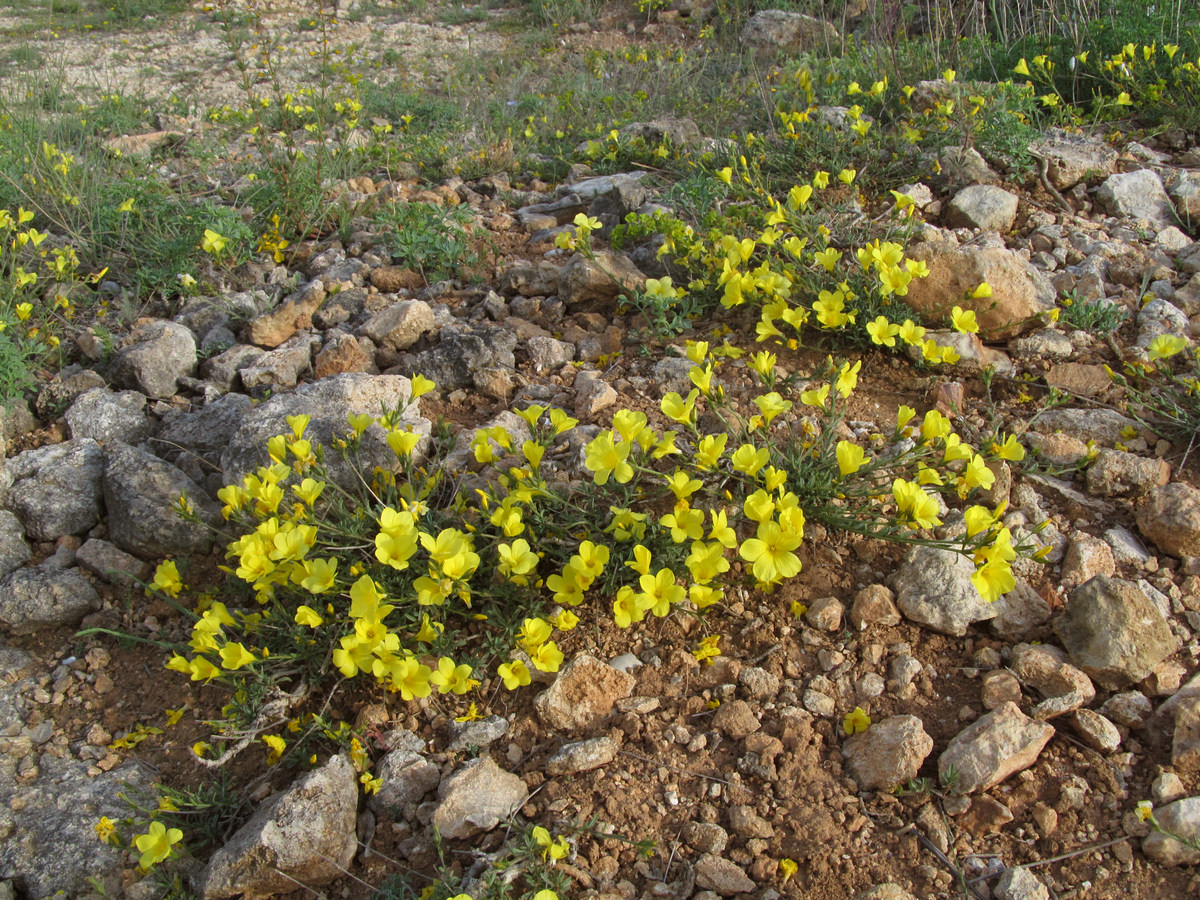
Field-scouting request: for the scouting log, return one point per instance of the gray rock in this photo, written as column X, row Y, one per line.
column 1129, row 708
column 583, row 694
column 1095, row 730
column 1182, row 818
column 1170, row 517
column 1115, row 473
column 407, row 777
column 886, row 891
column 14, row 552
column 111, row 563
column 1159, row 317
column 142, row 494
column 705, row 837
column 222, row 369
column 775, row 29
column 1056, row 449
column 480, row 734
column 106, row 416
column 64, row 389
column 1086, row 557
column 671, row 373
column 758, row 683
column 547, row 354
column 1185, row 193
column 282, row 367
column 933, row 588
column 1071, row 157
column 304, row 834
column 874, row 605
column 1114, row 632
column 202, row 433
column 610, row 274
column 1137, row 195
column 582, row 756
column 1020, row 884
column 721, row 875
column 960, row 165
column 400, row 325
column 460, row 352
column 461, row 457
column 45, row 596
column 160, row 354
column 681, row 132
column 56, row 489
column 477, row 798
column 888, row 753
column 735, row 719
column 1125, row 545
column 1045, row 669
column 52, row 845
column 982, row 206
column 1045, row 343
column 1104, row 425
column 993, row 747
column 328, row 402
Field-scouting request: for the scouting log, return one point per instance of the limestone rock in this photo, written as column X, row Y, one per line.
column 1021, row 614
column 1115, row 473
column 874, row 605
column 111, row 563
column 1086, row 557
column 888, row 753
column 1137, row 195
column 982, row 206
column 995, row 746
column 583, row 279
column 461, row 351
column 1020, row 884
column 1114, row 632
column 14, row 551
column 45, row 596
column 1182, row 818
column 721, row 875
column 1071, row 158
column 328, row 402
column 775, row 29
column 159, row 355
column 1170, row 517
column 281, row 367
column 582, row 756
column 203, row 433
column 142, row 493
column 1104, row 425
column 477, row 798
column 400, row 325
column 583, row 694
column 886, row 891
column 735, row 719
column 294, row 314
column 1095, row 730
column 303, row 834
column 345, row 353
column 933, row 588
column 56, row 488
column 1045, row 669
column 106, row 416
column 407, row 777
column 1019, row 292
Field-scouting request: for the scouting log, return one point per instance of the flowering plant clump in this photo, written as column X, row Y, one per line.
column 1163, row 389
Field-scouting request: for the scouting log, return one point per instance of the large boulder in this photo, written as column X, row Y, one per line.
column 56, row 489
column 1019, row 292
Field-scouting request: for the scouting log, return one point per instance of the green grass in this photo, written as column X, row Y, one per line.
column 49, row 16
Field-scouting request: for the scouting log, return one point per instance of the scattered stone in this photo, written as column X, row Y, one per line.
column 105, row 416
column 735, row 719
column 1167, row 788
column 998, row 744
column 1137, row 195
column 888, row 754
column 582, row 695
column 56, row 489
column 1045, row 343
column 480, row 734
column 294, row 314
column 1086, row 557
column 982, row 206
column 1071, row 158
column 345, row 353
column 391, row 279
column 610, row 274
column 933, row 588
column 406, row 778
column 1182, row 818
column 1020, row 884
column 1115, row 473
column 549, row 355
column 461, row 351
column 758, row 683
column 142, row 494
column 582, row 756
column 400, row 325
column 305, row 834
column 775, row 29
column 874, row 605
column 999, row 686
column 1078, row 378
column 705, row 837
column 1170, row 517
column 282, row 367
column 886, row 891
column 1096, row 731
column 1021, row 614
column 1125, row 546
column 159, row 354
column 1114, row 632
column 477, row 797
column 825, row 614
column 1104, row 425
column 721, row 875
column 45, row 596
column 1044, row 668
column 985, row 815
column 1185, row 745
column 1056, row 449
column 1129, row 708
column 111, row 563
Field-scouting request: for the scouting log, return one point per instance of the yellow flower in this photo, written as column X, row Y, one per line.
column 856, row 721
column 1145, row 810
column 847, row 176
column 749, row 459
column 915, row 506
column 514, row 674
column 787, row 868
column 1011, row 449
column 155, row 845
column 726, row 175
column 708, row 649
column 605, row 459
column 370, row 785
column 166, row 579
column 1123, row 99
column 828, row 258
column 817, row 397
column 420, row 386
column 106, row 829
column 847, row 379
column 306, row 615
column 964, row 320
column 24, row 310
column 213, row 243
column 911, row 333
column 850, row 457
column 770, row 553
column 1021, row 68
column 551, row 848
column 993, row 579
column 276, row 746
column 234, row 655
column 1165, row 346
column 883, row 332
column 982, row 291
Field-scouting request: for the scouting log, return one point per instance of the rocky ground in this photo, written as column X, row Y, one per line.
column 1010, row 742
